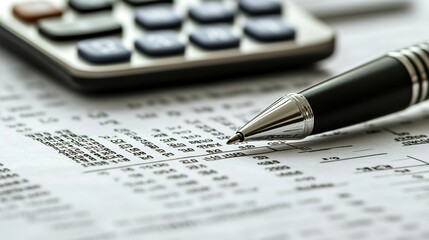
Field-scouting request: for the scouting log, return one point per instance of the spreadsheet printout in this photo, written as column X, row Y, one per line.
column 154, row 165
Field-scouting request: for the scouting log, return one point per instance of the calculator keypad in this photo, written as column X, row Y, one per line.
column 103, row 50
column 213, row 30
column 107, row 40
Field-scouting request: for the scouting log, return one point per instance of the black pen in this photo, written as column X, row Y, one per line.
column 386, row 85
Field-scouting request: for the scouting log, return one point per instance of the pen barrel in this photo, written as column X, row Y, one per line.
column 372, row 90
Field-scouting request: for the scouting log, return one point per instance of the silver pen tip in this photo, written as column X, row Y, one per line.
column 238, row 137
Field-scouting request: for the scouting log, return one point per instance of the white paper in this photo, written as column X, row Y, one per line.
column 154, row 164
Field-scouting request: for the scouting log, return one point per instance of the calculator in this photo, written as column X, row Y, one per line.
column 118, row 44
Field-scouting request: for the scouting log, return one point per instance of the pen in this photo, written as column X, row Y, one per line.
column 388, row 84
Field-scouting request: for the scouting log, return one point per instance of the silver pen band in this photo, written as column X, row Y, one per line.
column 306, row 112
column 416, row 60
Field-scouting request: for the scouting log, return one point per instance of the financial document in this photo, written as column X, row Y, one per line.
column 154, row 164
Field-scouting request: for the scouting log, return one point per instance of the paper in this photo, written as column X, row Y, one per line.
column 155, row 165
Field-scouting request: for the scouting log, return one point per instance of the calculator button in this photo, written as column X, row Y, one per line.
column 103, row 50
column 146, row 2
column 158, row 17
column 260, row 7
column 269, row 29
column 215, row 37
column 161, row 43
column 83, row 27
column 86, row 6
column 212, row 12
column 33, row 11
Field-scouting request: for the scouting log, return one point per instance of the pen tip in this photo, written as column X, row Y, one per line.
column 235, row 138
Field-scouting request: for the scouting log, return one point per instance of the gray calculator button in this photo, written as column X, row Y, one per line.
column 158, row 17
column 86, row 6
column 146, row 2
column 103, row 50
column 269, row 29
column 212, row 12
column 215, row 37
column 260, row 7
column 83, row 27
column 162, row 43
